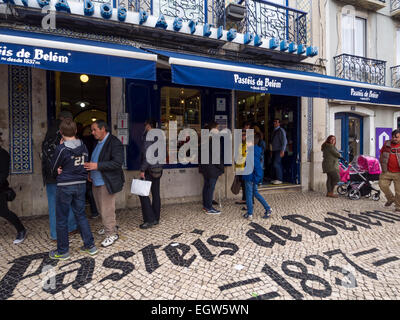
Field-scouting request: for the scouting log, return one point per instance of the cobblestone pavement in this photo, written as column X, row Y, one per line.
column 312, row 247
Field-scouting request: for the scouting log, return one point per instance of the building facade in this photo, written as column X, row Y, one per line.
column 191, row 63
column 364, row 46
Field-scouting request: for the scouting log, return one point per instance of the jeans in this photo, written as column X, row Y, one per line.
column 89, row 195
column 51, row 199
column 277, row 164
column 7, row 214
column 151, row 210
column 252, row 190
column 208, row 192
column 67, row 198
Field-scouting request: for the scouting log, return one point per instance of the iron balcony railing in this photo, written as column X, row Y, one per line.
column 272, row 20
column 267, row 19
column 395, row 75
column 394, row 5
column 360, row 69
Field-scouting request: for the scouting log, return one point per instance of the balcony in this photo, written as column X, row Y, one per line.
column 271, row 20
column 360, row 69
column 395, row 76
column 395, row 8
column 267, row 19
column 374, row 5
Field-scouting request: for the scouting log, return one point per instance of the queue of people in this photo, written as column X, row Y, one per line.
column 68, row 167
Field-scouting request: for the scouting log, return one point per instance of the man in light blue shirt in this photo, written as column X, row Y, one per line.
column 107, row 177
column 95, row 175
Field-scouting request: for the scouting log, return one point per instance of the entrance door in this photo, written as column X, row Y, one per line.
column 349, row 135
column 260, row 110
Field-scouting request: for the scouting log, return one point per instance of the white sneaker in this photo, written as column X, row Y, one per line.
column 109, row 240
column 276, row 182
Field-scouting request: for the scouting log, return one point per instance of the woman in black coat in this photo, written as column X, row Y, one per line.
column 4, row 211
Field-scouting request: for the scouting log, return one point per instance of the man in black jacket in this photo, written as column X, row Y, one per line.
column 150, row 172
column 211, row 172
column 4, row 211
column 107, row 177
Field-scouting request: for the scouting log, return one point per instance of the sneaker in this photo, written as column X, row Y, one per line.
column 56, row 256
column 95, row 216
column 92, row 251
column 213, row 211
column 248, row 216
column 20, row 237
column 109, row 240
column 267, row 214
column 276, row 182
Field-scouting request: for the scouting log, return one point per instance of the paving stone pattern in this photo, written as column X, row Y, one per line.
column 312, row 247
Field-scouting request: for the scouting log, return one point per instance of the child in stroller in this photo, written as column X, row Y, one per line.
column 357, row 177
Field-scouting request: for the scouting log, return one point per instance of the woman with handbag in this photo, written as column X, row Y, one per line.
column 150, row 172
column 7, row 194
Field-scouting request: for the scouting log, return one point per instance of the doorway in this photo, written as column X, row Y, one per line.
column 260, row 109
column 349, row 135
column 87, row 97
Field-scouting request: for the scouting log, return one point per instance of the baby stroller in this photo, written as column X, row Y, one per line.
column 357, row 177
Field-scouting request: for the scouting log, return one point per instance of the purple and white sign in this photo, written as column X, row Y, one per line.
column 381, row 135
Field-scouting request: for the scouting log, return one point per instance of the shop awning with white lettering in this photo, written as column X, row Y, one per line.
column 211, row 72
column 58, row 53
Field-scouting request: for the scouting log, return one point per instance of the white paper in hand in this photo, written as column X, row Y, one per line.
column 141, row 187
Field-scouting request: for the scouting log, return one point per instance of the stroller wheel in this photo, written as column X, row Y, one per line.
column 342, row 190
column 376, row 197
column 354, row 194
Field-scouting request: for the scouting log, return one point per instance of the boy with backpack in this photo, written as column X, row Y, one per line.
column 68, row 162
column 252, row 180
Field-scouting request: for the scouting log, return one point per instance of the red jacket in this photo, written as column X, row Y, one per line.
column 390, row 157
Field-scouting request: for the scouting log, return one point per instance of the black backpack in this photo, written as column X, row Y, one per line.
column 49, row 146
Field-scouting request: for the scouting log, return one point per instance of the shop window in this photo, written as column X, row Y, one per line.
column 182, row 105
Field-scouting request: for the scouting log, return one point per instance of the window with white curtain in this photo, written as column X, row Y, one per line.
column 354, row 32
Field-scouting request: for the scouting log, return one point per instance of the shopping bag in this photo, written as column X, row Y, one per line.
column 141, row 187
column 236, row 185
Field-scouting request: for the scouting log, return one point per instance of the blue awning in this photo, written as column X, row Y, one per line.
column 210, row 72
column 51, row 52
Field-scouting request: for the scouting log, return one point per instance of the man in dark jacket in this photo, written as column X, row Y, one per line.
column 211, row 172
column 107, row 177
column 50, row 143
column 278, row 147
column 4, row 211
column 153, row 173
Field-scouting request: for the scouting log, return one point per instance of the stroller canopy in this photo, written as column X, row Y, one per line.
column 368, row 164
